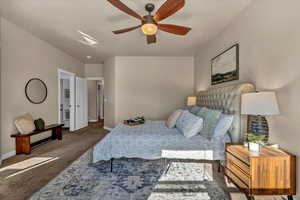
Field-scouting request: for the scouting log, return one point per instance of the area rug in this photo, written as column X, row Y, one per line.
column 132, row 179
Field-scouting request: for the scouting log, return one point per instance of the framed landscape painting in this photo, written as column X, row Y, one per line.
column 225, row 66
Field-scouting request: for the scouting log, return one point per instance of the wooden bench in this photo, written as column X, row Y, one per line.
column 23, row 145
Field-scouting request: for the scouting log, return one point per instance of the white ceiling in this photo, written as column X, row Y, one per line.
column 57, row 22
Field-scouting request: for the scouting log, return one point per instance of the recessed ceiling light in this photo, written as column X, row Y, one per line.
column 88, row 57
column 87, row 39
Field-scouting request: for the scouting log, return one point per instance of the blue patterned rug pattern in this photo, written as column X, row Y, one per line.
column 132, row 179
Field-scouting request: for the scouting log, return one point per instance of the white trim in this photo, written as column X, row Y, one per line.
column 93, row 120
column 94, row 78
column 8, row 155
column 108, row 128
column 65, row 72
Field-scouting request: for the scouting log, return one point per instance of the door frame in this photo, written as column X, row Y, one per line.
column 102, row 83
column 71, row 77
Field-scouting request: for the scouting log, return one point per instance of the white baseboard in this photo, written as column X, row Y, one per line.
column 107, row 128
column 93, row 120
column 8, row 155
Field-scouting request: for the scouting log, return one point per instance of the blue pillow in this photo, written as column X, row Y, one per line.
column 189, row 108
column 211, row 118
column 195, row 109
column 188, row 124
column 224, row 124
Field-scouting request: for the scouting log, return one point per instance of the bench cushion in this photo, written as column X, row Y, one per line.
column 25, row 124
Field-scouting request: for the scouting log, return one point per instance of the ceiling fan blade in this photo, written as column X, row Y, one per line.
column 151, row 39
column 170, row 28
column 124, row 8
column 168, row 9
column 126, row 29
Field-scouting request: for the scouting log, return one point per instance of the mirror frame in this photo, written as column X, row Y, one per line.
column 44, row 86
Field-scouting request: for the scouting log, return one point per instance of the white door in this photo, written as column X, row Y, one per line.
column 71, row 77
column 72, row 103
column 81, row 103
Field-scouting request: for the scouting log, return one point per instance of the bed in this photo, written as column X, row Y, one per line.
column 148, row 141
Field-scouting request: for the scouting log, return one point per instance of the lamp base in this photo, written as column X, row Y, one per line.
column 258, row 125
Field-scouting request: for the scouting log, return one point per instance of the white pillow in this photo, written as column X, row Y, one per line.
column 171, row 122
column 189, row 124
column 224, row 124
column 25, row 123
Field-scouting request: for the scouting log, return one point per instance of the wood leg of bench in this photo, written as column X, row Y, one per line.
column 23, row 145
column 57, row 133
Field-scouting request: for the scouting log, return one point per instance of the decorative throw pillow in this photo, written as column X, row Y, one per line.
column 189, row 108
column 195, row 109
column 25, row 123
column 188, row 124
column 171, row 122
column 224, row 124
column 211, row 118
column 39, row 124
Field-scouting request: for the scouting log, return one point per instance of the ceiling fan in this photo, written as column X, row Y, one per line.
column 149, row 23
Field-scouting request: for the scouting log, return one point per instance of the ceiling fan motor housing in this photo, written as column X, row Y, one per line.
column 150, row 7
column 148, row 19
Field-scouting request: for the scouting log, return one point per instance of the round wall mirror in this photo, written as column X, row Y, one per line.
column 36, row 91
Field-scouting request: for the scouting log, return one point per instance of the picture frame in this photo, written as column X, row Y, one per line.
column 225, row 66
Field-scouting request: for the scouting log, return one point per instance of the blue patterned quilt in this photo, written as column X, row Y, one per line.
column 149, row 140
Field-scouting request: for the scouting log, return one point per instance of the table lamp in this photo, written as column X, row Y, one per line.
column 257, row 106
column 191, row 101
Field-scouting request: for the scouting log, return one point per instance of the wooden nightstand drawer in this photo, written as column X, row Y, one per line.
column 235, row 179
column 238, row 172
column 239, row 152
column 270, row 171
column 243, row 166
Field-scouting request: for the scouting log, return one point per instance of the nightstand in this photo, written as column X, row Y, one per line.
column 268, row 172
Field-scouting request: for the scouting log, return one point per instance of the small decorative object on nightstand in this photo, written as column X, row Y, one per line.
column 255, row 141
column 257, row 105
column 270, row 171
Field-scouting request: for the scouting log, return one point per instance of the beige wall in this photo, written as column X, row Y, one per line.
column 93, row 70
column 0, row 85
column 152, row 86
column 92, row 98
column 109, row 92
column 268, row 33
column 25, row 56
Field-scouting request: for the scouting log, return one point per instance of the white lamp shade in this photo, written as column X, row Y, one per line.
column 191, row 101
column 260, row 103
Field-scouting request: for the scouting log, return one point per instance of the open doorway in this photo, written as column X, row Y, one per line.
column 66, row 99
column 96, row 101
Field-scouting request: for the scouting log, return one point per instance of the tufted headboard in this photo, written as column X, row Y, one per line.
column 228, row 99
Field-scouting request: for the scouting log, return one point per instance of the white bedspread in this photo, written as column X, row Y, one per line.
column 149, row 140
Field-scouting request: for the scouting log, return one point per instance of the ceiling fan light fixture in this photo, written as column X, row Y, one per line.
column 149, row 28
column 149, row 23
